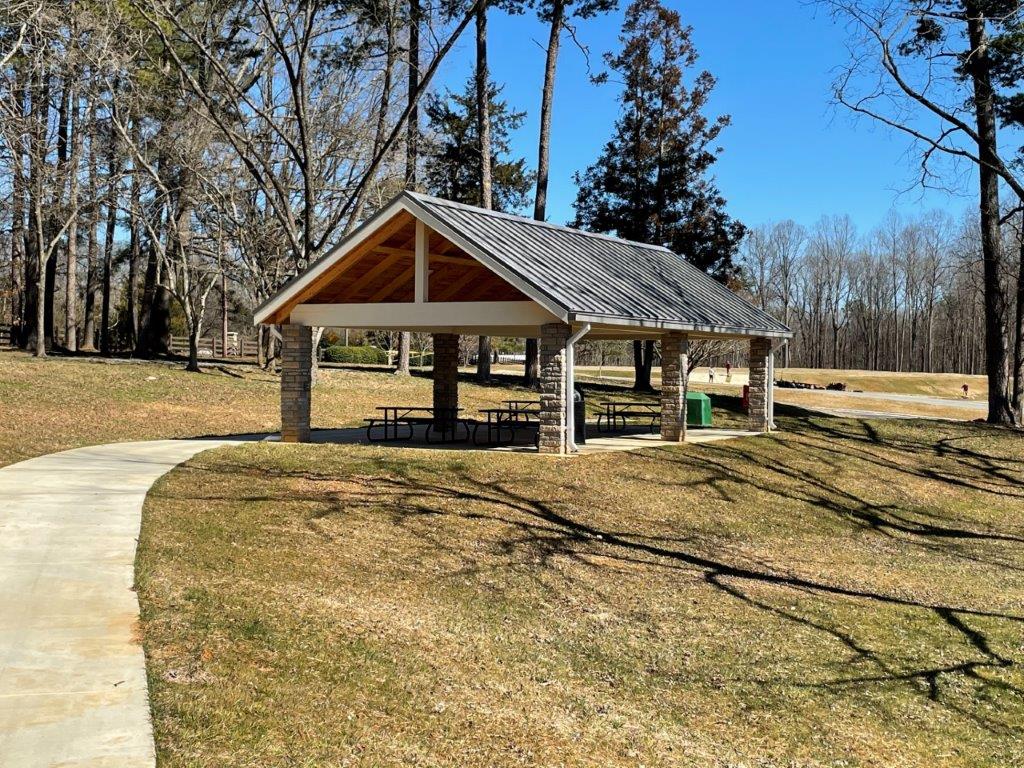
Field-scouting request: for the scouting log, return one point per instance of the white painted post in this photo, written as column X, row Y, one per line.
column 422, row 270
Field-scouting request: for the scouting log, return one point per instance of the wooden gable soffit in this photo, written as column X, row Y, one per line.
column 400, row 220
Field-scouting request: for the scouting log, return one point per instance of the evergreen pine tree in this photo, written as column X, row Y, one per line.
column 453, row 150
column 651, row 181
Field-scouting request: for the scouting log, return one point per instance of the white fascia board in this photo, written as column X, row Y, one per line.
column 669, row 325
column 328, row 260
column 411, row 316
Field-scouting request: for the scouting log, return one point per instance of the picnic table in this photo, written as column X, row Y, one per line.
column 511, row 420
column 524, row 407
column 404, row 418
column 620, row 411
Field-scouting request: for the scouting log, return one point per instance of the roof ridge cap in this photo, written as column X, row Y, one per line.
column 535, row 222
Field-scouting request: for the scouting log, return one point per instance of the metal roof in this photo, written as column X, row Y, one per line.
column 600, row 278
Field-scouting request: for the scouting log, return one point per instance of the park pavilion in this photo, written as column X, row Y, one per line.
column 424, row 264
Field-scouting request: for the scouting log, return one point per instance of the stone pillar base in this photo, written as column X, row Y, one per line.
column 553, row 397
column 296, row 382
column 758, row 410
column 674, row 355
column 446, row 379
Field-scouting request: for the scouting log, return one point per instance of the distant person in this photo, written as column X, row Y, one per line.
column 966, row 390
column 711, row 375
column 728, row 372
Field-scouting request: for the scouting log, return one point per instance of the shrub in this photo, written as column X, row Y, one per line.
column 359, row 355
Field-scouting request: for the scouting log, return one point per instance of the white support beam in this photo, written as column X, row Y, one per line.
column 422, row 278
column 430, row 316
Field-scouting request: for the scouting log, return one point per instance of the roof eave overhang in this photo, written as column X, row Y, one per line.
column 296, row 285
column 673, row 325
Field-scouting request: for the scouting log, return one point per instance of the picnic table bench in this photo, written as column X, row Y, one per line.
column 507, row 420
column 618, row 412
column 398, row 422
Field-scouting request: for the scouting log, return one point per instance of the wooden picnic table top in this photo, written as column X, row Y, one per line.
column 533, row 401
column 510, row 410
column 630, row 403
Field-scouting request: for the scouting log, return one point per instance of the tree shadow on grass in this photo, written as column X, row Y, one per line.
column 542, row 528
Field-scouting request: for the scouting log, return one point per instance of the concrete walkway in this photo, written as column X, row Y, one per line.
column 73, row 690
column 72, row 672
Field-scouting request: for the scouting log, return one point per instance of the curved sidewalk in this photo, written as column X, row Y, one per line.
column 72, row 671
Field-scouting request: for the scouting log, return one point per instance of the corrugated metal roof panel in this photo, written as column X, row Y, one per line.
column 590, row 274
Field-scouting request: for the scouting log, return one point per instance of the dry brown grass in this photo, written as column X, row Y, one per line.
column 839, row 400
column 54, row 404
column 841, row 593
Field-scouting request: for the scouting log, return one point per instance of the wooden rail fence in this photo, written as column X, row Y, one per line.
column 213, row 347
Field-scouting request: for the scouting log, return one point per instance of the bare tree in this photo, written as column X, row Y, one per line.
column 936, row 59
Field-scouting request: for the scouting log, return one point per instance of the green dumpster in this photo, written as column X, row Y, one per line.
column 698, row 409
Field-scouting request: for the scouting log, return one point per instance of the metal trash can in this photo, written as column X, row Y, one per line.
column 698, row 409
column 579, row 418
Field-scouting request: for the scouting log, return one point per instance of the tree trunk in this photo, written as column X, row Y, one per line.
column 540, row 202
column 108, row 243
column 532, row 365
column 223, row 312
column 134, row 252
column 643, row 360
column 384, row 108
column 18, row 252
column 404, row 344
column 996, row 358
column 91, row 253
column 18, row 221
column 483, row 359
column 261, row 352
column 1017, row 401
column 411, row 147
column 50, row 289
column 483, row 118
column 37, row 157
column 71, row 254
column 193, row 350
column 412, row 138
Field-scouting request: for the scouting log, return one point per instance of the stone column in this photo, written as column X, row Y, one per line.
column 675, row 347
column 553, row 397
column 760, row 349
column 296, row 382
column 446, row 377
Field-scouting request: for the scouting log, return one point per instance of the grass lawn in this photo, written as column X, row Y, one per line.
column 840, row 593
column 929, row 384
column 52, row 404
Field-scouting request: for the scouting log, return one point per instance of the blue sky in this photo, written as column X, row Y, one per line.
column 789, row 152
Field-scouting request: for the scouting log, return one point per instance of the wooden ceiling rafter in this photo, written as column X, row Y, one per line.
column 387, row 290
column 438, row 257
column 373, row 273
column 461, row 282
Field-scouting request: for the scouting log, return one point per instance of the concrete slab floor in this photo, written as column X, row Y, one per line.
column 72, row 671
column 597, row 442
